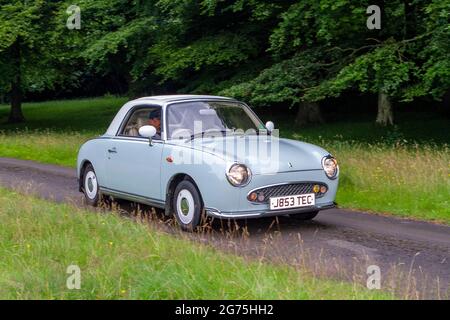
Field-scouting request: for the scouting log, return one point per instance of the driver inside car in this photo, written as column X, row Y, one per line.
column 154, row 119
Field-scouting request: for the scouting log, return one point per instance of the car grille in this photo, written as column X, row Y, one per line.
column 287, row 190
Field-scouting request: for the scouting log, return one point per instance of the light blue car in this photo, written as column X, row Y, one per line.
column 195, row 155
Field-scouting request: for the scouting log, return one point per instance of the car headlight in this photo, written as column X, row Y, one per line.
column 330, row 166
column 239, row 175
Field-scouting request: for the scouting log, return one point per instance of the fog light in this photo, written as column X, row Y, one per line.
column 261, row 197
column 252, row 196
column 323, row 189
column 316, row 188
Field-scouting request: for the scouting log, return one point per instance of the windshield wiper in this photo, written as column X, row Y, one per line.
column 201, row 134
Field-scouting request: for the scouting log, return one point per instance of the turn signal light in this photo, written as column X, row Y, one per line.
column 252, row 196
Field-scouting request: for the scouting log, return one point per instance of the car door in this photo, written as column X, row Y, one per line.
column 133, row 164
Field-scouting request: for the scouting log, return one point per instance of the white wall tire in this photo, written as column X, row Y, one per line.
column 91, row 186
column 187, row 205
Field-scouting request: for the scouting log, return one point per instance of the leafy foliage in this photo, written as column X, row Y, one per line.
column 266, row 52
column 31, row 27
column 325, row 50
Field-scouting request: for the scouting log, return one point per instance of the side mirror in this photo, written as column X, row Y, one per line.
column 270, row 126
column 147, row 132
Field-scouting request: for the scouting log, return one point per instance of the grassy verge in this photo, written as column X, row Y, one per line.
column 403, row 171
column 411, row 182
column 122, row 259
column 55, row 130
column 59, row 148
column 90, row 116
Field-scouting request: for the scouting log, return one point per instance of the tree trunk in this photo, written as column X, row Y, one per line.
column 410, row 10
column 385, row 115
column 16, row 114
column 308, row 112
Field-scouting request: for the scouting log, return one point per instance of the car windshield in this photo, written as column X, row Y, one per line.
column 192, row 119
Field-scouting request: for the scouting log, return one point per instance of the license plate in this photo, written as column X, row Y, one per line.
column 296, row 201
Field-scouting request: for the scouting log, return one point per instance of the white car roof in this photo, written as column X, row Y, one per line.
column 176, row 97
column 159, row 100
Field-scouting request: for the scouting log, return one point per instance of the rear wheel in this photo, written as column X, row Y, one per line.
column 187, row 205
column 305, row 216
column 90, row 186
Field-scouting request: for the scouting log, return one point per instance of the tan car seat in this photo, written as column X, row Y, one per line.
column 133, row 130
column 140, row 123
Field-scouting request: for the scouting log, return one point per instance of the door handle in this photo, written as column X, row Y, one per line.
column 113, row 150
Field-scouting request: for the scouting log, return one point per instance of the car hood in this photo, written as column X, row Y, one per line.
column 263, row 154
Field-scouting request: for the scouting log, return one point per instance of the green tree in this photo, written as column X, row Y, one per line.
column 266, row 52
column 409, row 58
column 29, row 59
column 115, row 38
column 302, row 45
column 323, row 48
column 177, row 45
column 206, row 45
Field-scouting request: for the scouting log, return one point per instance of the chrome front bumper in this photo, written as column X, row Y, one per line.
column 213, row 212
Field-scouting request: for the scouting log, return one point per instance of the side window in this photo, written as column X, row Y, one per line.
column 143, row 117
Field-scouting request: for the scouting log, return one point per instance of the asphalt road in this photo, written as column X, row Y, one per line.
column 414, row 257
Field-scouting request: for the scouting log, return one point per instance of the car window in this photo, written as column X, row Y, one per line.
column 185, row 119
column 142, row 117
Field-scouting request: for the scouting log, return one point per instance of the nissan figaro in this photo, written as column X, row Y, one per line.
column 194, row 155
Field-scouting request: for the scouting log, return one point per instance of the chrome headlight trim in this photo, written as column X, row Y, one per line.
column 325, row 161
column 232, row 180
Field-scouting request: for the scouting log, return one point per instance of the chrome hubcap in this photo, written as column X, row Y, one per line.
column 90, row 185
column 185, row 206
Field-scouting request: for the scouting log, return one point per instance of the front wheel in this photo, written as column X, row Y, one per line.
column 304, row 216
column 90, row 186
column 187, row 205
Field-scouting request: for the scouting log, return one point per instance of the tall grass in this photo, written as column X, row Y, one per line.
column 124, row 259
column 45, row 146
column 410, row 181
column 391, row 175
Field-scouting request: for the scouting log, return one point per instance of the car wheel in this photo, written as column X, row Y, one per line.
column 90, row 186
column 305, row 216
column 187, row 205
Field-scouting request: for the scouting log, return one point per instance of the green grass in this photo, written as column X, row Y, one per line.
column 403, row 171
column 55, row 130
column 414, row 127
column 86, row 116
column 120, row 258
